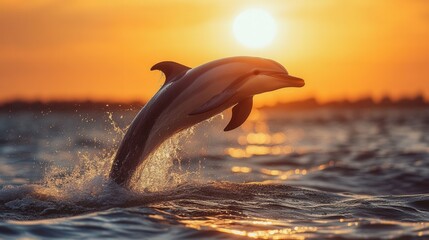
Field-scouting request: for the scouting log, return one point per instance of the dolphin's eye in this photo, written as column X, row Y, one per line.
column 256, row 72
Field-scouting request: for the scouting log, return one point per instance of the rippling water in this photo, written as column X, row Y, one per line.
column 314, row 174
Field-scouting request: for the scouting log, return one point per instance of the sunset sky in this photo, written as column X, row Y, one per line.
column 103, row 50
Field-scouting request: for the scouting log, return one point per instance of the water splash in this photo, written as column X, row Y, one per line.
column 115, row 125
column 156, row 173
column 84, row 186
column 90, row 175
column 87, row 178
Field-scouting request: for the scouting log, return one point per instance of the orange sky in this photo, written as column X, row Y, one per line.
column 103, row 49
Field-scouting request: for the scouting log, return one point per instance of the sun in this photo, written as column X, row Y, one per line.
column 255, row 28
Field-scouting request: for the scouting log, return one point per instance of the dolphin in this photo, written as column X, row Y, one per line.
column 190, row 96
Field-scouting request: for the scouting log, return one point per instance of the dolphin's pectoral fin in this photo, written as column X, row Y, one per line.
column 171, row 70
column 214, row 102
column 240, row 112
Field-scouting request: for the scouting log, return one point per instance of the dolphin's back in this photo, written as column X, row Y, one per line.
column 189, row 96
column 139, row 141
column 148, row 130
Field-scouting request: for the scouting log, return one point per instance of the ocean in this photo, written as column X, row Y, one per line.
column 298, row 174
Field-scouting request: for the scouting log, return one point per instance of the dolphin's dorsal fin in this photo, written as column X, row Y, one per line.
column 240, row 112
column 171, row 70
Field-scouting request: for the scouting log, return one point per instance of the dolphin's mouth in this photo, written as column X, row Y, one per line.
column 287, row 79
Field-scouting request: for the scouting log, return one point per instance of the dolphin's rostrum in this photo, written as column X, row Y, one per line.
column 190, row 96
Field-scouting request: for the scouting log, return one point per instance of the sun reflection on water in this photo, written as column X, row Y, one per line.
column 258, row 140
column 237, row 169
column 264, row 228
column 257, row 150
column 252, row 228
column 262, row 138
column 282, row 175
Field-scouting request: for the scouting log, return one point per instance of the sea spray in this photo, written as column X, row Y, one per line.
column 89, row 176
column 164, row 170
column 156, row 174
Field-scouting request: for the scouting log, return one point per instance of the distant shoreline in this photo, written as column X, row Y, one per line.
column 363, row 103
column 69, row 106
column 311, row 103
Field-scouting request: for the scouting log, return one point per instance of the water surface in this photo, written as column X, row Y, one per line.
column 313, row 174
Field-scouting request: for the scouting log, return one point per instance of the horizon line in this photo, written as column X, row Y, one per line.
column 317, row 99
column 307, row 103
